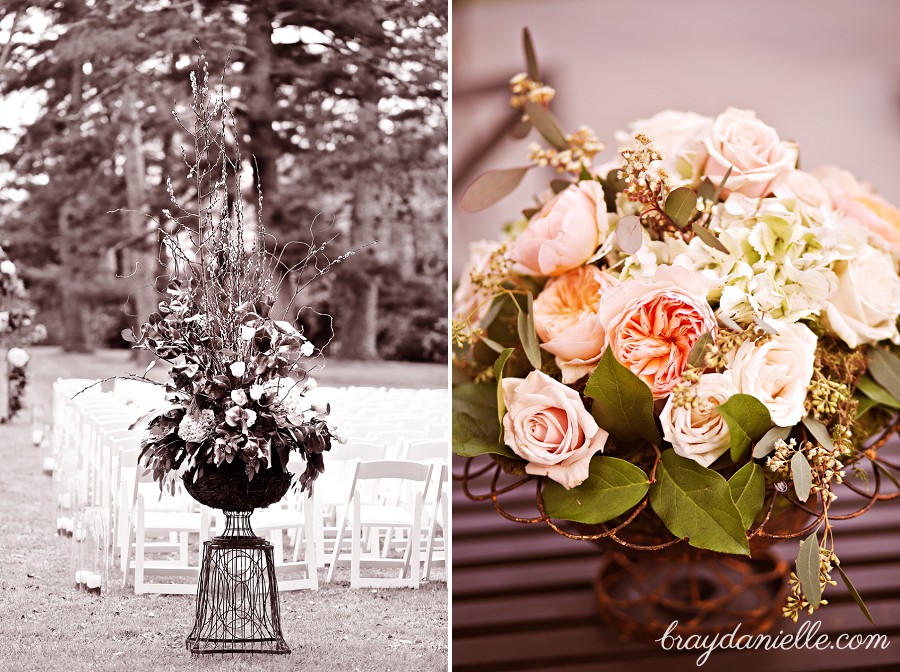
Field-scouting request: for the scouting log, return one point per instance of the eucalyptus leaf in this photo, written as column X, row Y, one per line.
column 718, row 193
column 493, row 311
column 697, row 355
column 492, row 344
column 801, row 473
column 623, row 404
column 865, row 404
column 680, row 205
column 706, row 190
column 560, row 185
column 855, row 595
column 528, row 335
column 765, row 326
column 767, row 443
column 748, row 491
column 490, row 187
column 695, row 503
column 876, row 392
column 629, row 234
column 498, row 376
column 520, row 129
column 818, row 430
column 885, row 369
column 808, row 570
column 546, row 124
column 531, row 61
column 613, row 486
column 612, row 186
column 747, row 419
column 709, row 237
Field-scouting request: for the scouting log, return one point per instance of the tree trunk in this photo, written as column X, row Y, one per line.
column 260, row 105
column 140, row 258
column 74, row 308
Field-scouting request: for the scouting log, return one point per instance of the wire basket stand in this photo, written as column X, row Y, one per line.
column 237, row 596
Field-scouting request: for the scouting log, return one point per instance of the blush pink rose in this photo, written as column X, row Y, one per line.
column 651, row 325
column 759, row 160
column 565, row 318
column 565, row 233
column 547, row 424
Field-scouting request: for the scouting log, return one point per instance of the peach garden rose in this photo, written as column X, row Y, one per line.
column 758, row 158
column 566, row 232
column 547, row 424
column 565, row 318
column 651, row 325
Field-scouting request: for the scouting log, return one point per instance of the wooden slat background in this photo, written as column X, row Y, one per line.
column 523, row 600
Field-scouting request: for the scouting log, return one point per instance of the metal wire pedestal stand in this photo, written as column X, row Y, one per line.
column 237, row 597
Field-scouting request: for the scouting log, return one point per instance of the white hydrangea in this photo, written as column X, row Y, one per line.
column 289, row 395
column 196, row 428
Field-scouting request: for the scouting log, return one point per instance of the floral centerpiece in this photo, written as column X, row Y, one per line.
column 240, row 368
column 693, row 337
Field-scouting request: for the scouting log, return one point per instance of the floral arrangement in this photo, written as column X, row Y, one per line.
column 694, row 321
column 240, row 369
column 17, row 327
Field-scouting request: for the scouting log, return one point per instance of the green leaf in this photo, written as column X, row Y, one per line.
column 629, row 234
column 531, row 61
column 546, row 124
column 473, row 437
column 528, row 335
column 707, row 190
column 560, row 185
column 808, row 570
column 498, row 375
column 476, row 399
column 492, row 344
column 697, row 355
column 612, row 186
column 695, row 502
column 490, row 187
column 718, row 192
column 748, row 491
column 855, row 595
column 802, row 475
column 747, row 419
column 865, row 404
column 520, row 129
column 709, row 237
column 877, row 393
column 767, row 443
column 623, row 404
column 493, row 311
column 680, row 205
column 885, row 369
column 612, row 488
column 819, row 431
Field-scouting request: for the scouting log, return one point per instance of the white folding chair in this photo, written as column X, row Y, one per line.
column 362, row 515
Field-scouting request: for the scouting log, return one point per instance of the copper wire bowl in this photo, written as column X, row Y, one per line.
column 648, row 577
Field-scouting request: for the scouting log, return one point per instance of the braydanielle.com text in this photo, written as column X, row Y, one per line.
column 806, row 637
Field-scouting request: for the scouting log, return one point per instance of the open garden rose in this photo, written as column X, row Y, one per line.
column 547, row 424
column 758, row 158
column 565, row 318
column 777, row 370
column 860, row 203
column 566, row 232
column 652, row 325
column 865, row 306
column 697, row 432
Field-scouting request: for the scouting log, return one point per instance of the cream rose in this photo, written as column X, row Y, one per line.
column 758, row 159
column 651, row 325
column 805, row 188
column 777, row 371
column 566, row 232
column 677, row 135
column 698, row 432
column 565, row 318
column 865, row 307
column 547, row 424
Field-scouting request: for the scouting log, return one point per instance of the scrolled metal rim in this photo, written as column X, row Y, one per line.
column 470, row 474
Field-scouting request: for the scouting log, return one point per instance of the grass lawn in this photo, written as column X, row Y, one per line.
column 45, row 624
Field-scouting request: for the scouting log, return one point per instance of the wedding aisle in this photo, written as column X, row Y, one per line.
column 46, row 624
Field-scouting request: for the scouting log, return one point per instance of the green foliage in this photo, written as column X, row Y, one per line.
column 696, row 503
column 808, row 569
column 747, row 419
column 498, row 376
column 748, row 491
column 612, row 488
column 490, row 187
column 475, row 425
column 528, row 335
column 680, row 206
column 623, row 404
column 801, row 473
column 766, row 444
column 876, row 393
column 885, row 369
